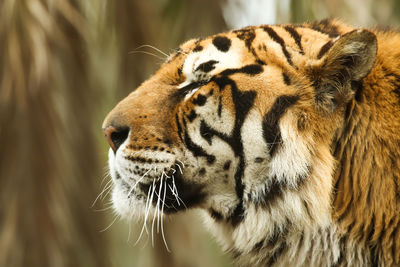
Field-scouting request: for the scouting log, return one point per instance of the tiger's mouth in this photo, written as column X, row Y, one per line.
column 142, row 188
column 173, row 191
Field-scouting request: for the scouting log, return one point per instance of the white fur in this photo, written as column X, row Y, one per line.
column 226, row 60
column 293, row 157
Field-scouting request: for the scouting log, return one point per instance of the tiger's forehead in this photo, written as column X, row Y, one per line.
column 212, row 56
column 282, row 45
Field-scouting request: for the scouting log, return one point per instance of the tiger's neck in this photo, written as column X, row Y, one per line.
column 294, row 230
column 367, row 148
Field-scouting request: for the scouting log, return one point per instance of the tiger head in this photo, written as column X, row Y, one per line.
column 240, row 125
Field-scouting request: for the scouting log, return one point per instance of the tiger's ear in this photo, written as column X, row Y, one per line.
column 349, row 59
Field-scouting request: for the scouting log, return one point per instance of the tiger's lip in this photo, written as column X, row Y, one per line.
column 172, row 173
column 179, row 193
column 139, row 181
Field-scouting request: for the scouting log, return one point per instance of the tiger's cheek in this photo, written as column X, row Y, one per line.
column 256, row 150
column 207, row 123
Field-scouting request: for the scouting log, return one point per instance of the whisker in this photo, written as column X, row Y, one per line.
column 153, row 47
column 106, row 187
column 180, row 169
column 181, row 201
column 158, row 206
column 106, row 192
column 152, row 196
column 145, row 52
column 176, row 190
column 180, row 51
column 104, row 209
column 138, row 181
column 162, row 219
column 173, row 193
column 155, row 214
column 183, row 165
column 161, row 200
column 116, row 217
column 166, row 175
column 145, row 217
column 129, row 229
column 106, row 175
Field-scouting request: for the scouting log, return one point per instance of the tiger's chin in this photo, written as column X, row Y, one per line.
column 127, row 201
column 128, row 206
column 138, row 201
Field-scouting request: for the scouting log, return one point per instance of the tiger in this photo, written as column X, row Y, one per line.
column 285, row 137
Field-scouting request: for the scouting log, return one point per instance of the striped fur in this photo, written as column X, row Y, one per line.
column 287, row 137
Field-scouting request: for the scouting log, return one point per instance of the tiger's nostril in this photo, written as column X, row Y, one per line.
column 116, row 137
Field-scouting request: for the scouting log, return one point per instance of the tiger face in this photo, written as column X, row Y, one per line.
column 240, row 125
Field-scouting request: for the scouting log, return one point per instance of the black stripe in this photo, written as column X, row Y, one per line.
column 305, row 204
column 252, row 69
column 286, row 78
column 219, row 112
column 246, row 35
column 207, row 66
column 234, row 140
column 145, row 160
column 274, row 36
column 200, row 100
column 325, row 26
column 280, row 233
column 342, row 244
column 296, row 37
column 271, row 130
column 273, row 243
column 397, row 92
column 178, row 125
column 370, row 228
column 197, row 151
column 227, row 165
column 258, row 246
column 207, row 133
column 236, row 253
column 192, row 115
column 325, row 48
column 179, row 94
column 394, row 79
column 238, row 214
column 358, row 88
column 222, row 43
column 275, row 190
column 277, row 254
column 197, row 48
column 215, row 215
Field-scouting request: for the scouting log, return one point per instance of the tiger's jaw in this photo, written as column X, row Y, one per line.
column 145, row 182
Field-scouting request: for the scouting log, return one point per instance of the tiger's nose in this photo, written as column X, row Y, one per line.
column 115, row 136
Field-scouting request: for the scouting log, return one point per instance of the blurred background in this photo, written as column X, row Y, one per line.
column 63, row 65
